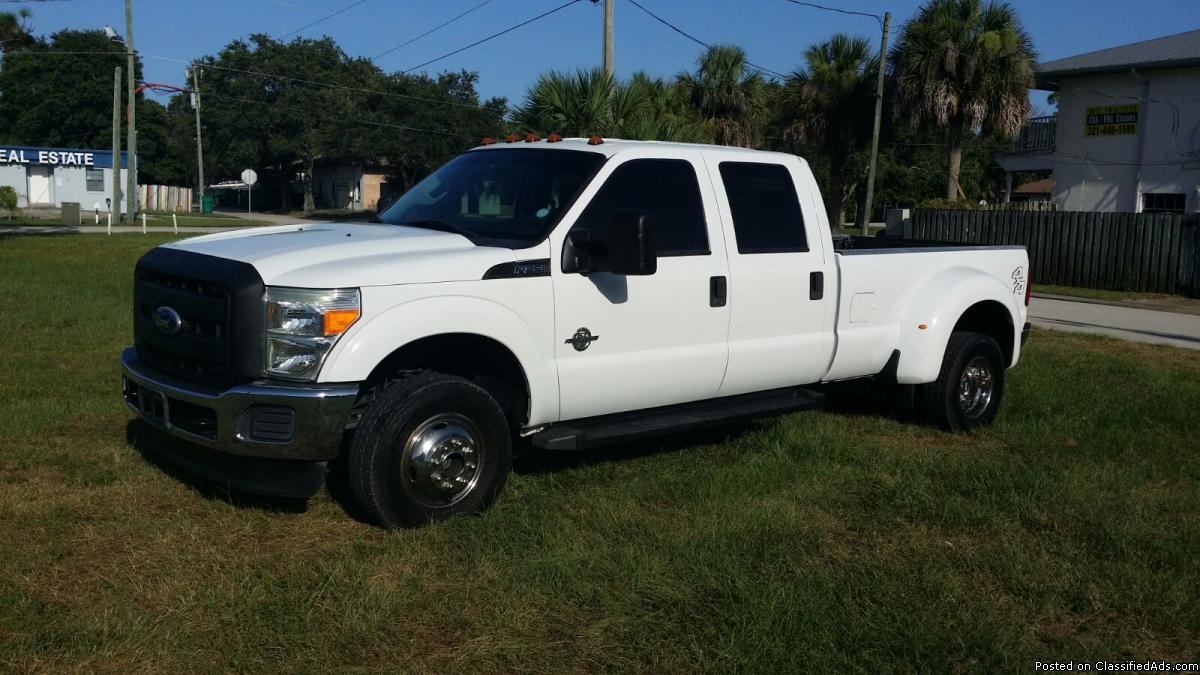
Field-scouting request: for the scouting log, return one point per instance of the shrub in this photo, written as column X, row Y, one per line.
column 8, row 200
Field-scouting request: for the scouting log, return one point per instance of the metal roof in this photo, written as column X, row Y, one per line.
column 1172, row 51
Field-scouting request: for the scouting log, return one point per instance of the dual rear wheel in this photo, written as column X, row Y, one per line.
column 969, row 387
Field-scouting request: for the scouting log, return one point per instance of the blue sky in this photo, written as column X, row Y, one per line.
column 774, row 32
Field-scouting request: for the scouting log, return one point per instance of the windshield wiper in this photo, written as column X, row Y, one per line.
column 440, row 226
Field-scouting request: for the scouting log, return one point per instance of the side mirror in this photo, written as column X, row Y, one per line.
column 626, row 246
column 630, row 241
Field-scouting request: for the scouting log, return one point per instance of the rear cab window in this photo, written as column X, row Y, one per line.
column 765, row 209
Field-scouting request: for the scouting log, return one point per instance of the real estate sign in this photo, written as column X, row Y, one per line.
column 1112, row 120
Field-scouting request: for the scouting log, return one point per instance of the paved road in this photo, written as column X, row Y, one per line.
column 1127, row 323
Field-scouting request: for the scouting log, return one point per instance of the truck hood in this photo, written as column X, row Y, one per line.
column 331, row 255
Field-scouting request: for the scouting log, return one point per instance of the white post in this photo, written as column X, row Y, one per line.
column 95, row 217
column 175, row 222
column 143, row 222
column 110, row 222
column 249, row 193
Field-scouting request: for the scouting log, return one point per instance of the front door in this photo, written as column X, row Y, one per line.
column 39, row 185
column 632, row 342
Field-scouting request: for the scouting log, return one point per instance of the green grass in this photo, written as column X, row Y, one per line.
column 823, row 542
column 152, row 219
column 207, row 220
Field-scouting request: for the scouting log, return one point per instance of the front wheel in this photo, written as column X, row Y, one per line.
column 431, row 446
column 969, row 387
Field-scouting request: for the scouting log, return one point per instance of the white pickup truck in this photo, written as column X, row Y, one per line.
column 571, row 292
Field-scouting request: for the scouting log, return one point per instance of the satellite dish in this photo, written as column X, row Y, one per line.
column 249, row 177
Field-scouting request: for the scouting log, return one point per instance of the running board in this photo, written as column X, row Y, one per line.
column 594, row 432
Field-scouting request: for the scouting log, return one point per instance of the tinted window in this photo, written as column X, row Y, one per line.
column 666, row 189
column 766, row 210
column 498, row 197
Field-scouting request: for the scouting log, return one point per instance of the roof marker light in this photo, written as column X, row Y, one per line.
column 532, row 137
column 553, row 138
column 595, row 140
column 488, row 140
column 511, row 138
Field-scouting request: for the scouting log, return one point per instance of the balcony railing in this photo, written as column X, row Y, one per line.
column 1037, row 135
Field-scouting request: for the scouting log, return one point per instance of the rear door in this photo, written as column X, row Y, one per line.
column 780, row 284
column 632, row 342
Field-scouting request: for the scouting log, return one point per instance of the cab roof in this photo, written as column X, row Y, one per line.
column 614, row 146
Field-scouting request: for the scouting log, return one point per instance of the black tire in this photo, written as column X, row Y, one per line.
column 951, row 401
column 457, row 423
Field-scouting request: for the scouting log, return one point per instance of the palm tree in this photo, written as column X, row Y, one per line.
column 593, row 102
column 727, row 95
column 14, row 30
column 963, row 65
column 829, row 105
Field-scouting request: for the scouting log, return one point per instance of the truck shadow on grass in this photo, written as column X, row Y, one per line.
column 147, row 440
column 850, row 398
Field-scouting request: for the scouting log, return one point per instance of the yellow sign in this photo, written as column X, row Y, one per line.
column 1112, row 120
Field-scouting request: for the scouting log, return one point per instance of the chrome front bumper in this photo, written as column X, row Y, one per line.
column 262, row 419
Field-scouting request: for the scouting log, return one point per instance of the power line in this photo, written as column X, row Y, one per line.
column 324, row 18
column 431, row 30
column 494, row 35
column 700, row 42
column 839, row 11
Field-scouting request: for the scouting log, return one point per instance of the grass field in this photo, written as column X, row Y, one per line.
column 828, row 541
column 152, row 219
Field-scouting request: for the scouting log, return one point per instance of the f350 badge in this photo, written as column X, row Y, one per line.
column 1018, row 277
column 582, row 339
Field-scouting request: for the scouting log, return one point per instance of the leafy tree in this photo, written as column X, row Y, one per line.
column 727, row 95
column 963, row 65
column 283, row 107
column 593, row 102
column 828, row 106
column 52, row 96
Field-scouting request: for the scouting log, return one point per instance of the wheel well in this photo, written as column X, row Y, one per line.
column 992, row 319
column 480, row 359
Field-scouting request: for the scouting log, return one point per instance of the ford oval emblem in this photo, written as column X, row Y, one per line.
column 167, row 320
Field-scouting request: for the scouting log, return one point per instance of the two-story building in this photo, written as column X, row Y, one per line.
column 1127, row 133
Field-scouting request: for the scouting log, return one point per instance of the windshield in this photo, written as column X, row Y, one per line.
column 498, row 197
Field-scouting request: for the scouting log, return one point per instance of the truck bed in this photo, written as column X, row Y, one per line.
column 858, row 245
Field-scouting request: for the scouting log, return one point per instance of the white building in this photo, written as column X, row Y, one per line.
column 48, row 177
column 1127, row 133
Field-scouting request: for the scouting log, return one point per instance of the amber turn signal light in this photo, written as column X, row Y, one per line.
column 337, row 321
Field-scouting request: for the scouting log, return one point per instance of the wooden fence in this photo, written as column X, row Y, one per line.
column 164, row 198
column 1157, row 253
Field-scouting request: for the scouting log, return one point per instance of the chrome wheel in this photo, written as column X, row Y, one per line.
column 441, row 459
column 975, row 387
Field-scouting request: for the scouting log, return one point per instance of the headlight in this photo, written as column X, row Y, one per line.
column 302, row 326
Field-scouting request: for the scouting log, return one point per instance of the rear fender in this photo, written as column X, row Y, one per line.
column 933, row 312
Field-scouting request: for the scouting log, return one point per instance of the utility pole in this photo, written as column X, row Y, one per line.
column 608, row 37
column 864, row 218
column 199, row 147
column 115, row 208
column 132, row 195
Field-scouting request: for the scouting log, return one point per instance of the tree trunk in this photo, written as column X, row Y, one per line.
column 310, row 204
column 285, row 192
column 837, row 197
column 957, row 130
